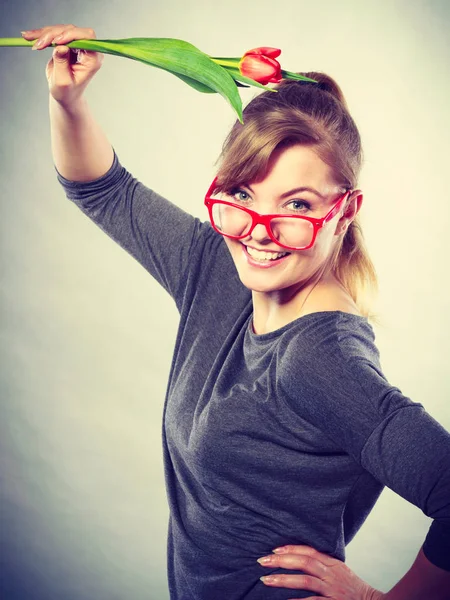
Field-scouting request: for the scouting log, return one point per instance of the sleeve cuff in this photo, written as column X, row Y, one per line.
column 437, row 545
column 73, row 185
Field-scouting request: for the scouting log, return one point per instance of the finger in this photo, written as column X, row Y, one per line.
column 62, row 35
column 45, row 39
column 48, row 27
column 295, row 561
column 83, row 56
column 68, row 35
column 35, row 33
column 295, row 582
column 29, row 34
column 326, row 559
column 75, row 56
column 61, row 65
column 309, row 598
column 295, row 549
column 50, row 30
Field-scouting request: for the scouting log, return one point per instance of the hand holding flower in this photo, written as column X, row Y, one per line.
column 69, row 70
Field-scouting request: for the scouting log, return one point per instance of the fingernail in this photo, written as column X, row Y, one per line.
column 38, row 44
column 25, row 32
column 268, row 579
column 265, row 560
column 280, row 550
column 58, row 37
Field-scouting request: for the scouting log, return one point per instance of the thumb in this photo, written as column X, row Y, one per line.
column 61, row 54
column 61, row 65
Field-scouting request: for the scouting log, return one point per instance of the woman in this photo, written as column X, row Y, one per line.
column 280, row 429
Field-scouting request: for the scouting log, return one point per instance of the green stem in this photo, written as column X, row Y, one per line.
column 15, row 42
column 227, row 62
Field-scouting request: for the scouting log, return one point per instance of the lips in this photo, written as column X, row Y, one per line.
column 264, row 256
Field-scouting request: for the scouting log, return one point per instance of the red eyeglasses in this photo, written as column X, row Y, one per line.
column 293, row 232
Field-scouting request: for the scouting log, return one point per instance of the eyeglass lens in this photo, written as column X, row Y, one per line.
column 289, row 231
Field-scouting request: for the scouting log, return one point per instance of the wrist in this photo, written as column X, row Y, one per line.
column 73, row 109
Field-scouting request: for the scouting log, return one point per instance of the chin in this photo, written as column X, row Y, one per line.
column 290, row 273
column 262, row 283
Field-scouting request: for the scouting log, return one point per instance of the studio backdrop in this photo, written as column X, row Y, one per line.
column 87, row 335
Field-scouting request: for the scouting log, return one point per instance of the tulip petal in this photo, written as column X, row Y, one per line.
column 237, row 76
column 265, row 51
column 260, row 68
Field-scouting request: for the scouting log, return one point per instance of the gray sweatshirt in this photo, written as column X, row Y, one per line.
column 283, row 438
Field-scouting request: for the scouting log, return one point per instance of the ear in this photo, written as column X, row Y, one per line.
column 352, row 207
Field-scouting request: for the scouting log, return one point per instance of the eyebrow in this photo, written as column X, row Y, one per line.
column 296, row 191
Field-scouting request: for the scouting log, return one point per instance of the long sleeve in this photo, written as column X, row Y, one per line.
column 391, row 437
column 158, row 234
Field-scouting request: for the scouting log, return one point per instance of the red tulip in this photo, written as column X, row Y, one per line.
column 260, row 65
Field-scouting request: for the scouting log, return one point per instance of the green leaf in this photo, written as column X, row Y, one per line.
column 200, row 87
column 296, row 76
column 176, row 56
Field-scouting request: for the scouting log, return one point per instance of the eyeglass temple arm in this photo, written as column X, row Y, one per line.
column 211, row 189
column 334, row 211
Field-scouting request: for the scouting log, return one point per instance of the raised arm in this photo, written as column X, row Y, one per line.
column 164, row 239
column 81, row 151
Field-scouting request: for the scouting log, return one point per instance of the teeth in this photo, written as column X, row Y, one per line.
column 262, row 256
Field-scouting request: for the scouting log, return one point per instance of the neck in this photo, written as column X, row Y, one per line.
column 272, row 310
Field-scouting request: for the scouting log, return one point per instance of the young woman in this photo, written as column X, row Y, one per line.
column 280, row 429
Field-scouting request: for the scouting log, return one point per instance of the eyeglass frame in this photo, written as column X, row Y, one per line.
column 259, row 219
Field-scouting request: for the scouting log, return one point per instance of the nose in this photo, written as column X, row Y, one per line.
column 260, row 234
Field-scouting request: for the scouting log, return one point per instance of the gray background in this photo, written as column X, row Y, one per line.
column 86, row 335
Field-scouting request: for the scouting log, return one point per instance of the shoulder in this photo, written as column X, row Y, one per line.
column 329, row 295
column 331, row 354
column 329, row 331
column 330, row 375
column 331, row 327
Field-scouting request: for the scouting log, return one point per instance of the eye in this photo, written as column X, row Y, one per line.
column 239, row 195
column 298, row 205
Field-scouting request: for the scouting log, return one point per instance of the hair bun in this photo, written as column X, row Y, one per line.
column 325, row 83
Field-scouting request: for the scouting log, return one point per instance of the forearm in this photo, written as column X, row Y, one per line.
column 424, row 581
column 81, row 151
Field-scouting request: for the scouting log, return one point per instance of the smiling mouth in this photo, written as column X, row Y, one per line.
column 264, row 256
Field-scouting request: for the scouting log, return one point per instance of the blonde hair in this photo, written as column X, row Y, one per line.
column 316, row 115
